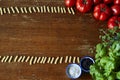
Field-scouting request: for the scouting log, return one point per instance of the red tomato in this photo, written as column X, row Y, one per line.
column 116, row 9
column 70, row 3
column 113, row 22
column 108, row 1
column 84, row 5
column 117, row 2
column 102, row 12
column 97, row 1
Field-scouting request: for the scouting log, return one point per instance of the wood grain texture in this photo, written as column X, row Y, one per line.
column 44, row 35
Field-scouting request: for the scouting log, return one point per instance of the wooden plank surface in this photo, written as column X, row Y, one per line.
column 44, row 35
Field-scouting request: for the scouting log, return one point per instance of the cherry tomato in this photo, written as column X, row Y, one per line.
column 116, row 9
column 97, row 1
column 84, row 5
column 117, row 2
column 102, row 12
column 113, row 22
column 70, row 3
column 108, row 1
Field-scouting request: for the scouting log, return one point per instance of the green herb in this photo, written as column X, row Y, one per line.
column 107, row 57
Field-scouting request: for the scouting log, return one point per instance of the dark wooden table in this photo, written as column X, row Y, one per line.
column 45, row 35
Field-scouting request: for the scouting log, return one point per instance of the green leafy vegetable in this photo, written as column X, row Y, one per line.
column 107, row 57
column 118, row 75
